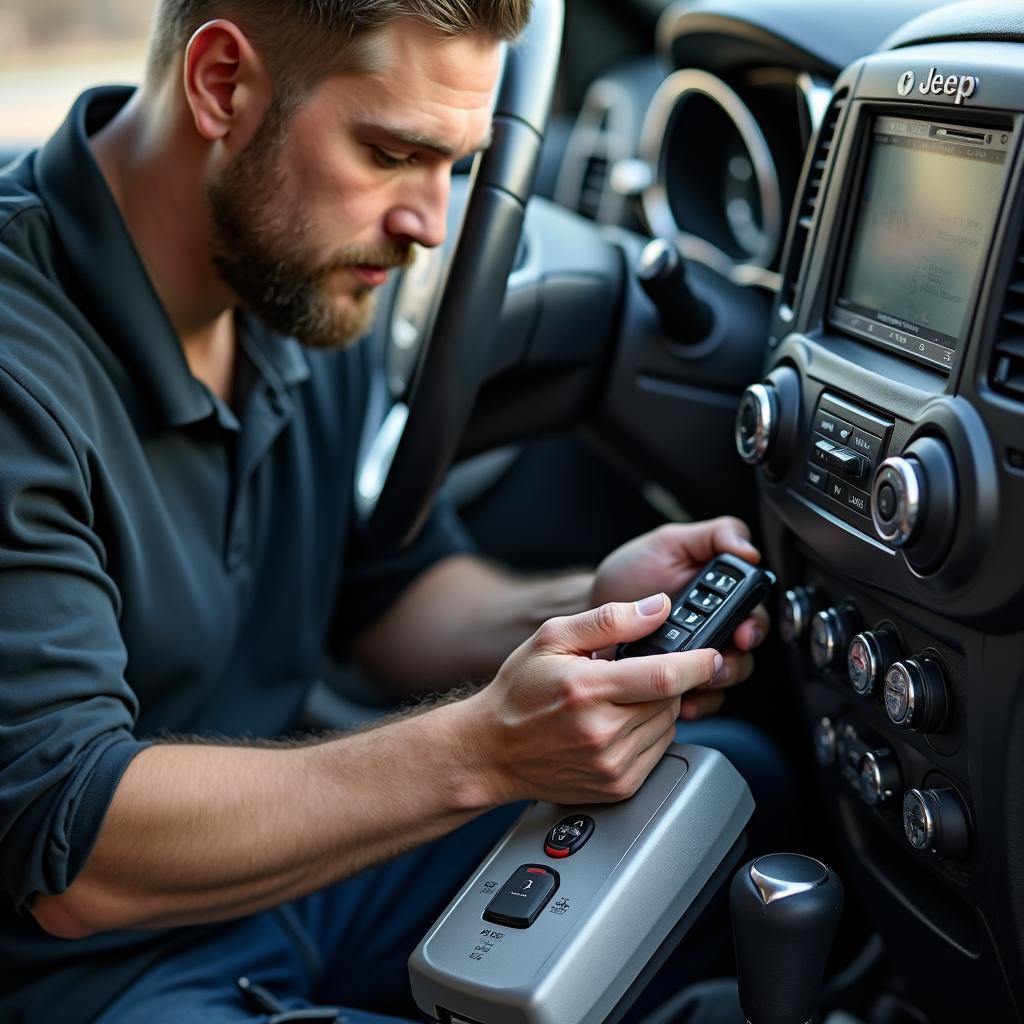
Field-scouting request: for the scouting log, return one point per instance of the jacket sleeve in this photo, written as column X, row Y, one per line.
column 66, row 712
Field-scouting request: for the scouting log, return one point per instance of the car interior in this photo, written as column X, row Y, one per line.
column 767, row 261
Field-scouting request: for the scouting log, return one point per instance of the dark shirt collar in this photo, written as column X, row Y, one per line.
column 115, row 287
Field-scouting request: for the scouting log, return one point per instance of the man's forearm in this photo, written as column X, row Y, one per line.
column 460, row 620
column 204, row 833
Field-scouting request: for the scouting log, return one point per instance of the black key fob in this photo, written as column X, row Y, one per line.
column 707, row 612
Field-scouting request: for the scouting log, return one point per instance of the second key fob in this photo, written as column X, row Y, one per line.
column 714, row 603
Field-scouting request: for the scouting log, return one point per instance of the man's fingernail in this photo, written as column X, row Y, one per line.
column 651, row 605
column 756, row 636
column 719, row 662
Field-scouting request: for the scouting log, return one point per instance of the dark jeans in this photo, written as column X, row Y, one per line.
column 348, row 945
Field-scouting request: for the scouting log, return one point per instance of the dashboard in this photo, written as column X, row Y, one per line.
column 848, row 184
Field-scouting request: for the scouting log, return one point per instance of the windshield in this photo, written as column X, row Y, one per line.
column 50, row 50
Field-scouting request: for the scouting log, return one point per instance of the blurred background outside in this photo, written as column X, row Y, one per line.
column 50, row 50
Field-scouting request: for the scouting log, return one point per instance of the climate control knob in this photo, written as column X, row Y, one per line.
column 831, row 633
column 799, row 606
column 756, row 421
column 935, row 819
column 915, row 695
column 879, row 776
column 768, row 421
column 914, row 502
column 868, row 659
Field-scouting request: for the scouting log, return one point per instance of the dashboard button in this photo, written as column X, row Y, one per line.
column 848, row 464
column 833, row 427
column 815, row 476
column 822, row 452
column 859, row 501
column 867, row 445
column 836, row 489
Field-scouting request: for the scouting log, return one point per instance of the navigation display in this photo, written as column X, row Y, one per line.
column 930, row 198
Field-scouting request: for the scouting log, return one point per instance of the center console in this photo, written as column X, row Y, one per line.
column 889, row 434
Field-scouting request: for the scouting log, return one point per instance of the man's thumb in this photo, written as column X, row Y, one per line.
column 608, row 624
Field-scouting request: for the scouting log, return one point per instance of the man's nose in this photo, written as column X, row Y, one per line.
column 421, row 211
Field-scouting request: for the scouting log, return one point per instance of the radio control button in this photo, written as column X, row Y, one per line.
column 848, row 464
column 867, row 445
column 815, row 476
column 859, row 501
column 836, row 489
column 821, row 453
column 832, row 427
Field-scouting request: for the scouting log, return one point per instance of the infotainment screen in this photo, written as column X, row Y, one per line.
column 928, row 205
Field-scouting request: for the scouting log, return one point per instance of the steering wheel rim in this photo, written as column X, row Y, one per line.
column 410, row 443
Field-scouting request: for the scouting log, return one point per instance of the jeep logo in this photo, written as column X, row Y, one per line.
column 961, row 87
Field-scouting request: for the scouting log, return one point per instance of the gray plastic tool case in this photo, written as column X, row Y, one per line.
column 621, row 904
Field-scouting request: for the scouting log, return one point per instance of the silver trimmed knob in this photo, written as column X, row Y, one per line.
column 879, row 776
column 756, row 420
column 868, row 659
column 935, row 820
column 897, row 496
column 798, row 605
column 831, row 632
column 915, row 695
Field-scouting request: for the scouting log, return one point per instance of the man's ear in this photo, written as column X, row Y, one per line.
column 227, row 85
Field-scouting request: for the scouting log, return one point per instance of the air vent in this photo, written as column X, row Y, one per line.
column 1006, row 374
column 808, row 204
column 600, row 137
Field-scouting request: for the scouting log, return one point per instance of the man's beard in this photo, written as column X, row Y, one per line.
column 259, row 245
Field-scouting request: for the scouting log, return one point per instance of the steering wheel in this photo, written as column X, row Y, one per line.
column 410, row 440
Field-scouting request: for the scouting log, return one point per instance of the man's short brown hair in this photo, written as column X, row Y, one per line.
column 305, row 41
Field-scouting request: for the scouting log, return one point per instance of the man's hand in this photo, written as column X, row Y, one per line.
column 558, row 725
column 666, row 559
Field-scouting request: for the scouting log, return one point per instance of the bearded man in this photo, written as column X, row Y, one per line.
column 182, row 271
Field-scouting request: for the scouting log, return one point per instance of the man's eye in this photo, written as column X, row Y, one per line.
column 389, row 160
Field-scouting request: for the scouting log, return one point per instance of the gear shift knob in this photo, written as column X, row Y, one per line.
column 785, row 910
